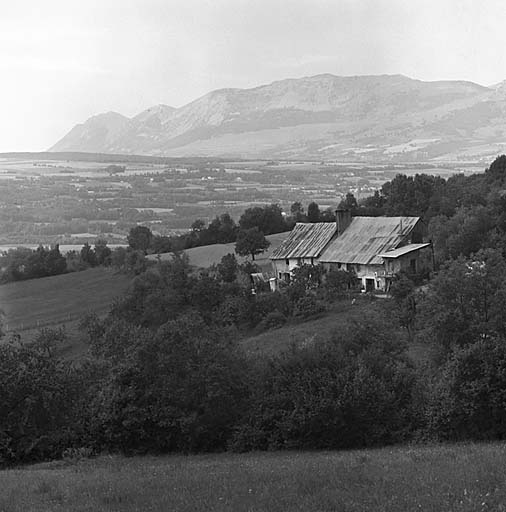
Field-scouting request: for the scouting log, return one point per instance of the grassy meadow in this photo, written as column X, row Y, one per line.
column 59, row 299
column 460, row 478
column 208, row 255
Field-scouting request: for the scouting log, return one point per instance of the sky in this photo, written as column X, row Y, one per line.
column 63, row 61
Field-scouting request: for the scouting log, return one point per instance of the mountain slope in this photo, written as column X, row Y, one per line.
column 324, row 116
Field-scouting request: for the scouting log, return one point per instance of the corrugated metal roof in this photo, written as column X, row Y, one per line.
column 305, row 240
column 366, row 238
column 405, row 249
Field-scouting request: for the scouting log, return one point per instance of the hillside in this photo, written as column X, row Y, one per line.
column 464, row 478
column 208, row 255
column 64, row 299
column 388, row 117
column 59, row 299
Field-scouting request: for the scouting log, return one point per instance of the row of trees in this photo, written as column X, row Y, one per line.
column 24, row 263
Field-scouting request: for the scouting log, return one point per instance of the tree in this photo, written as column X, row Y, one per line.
column 403, row 294
column 313, row 212
column 297, row 212
column 468, row 400
column 140, row 238
column 251, row 242
column 466, row 301
column 182, row 389
column 102, row 252
column 349, row 202
column 227, row 268
column 268, row 219
column 88, row 255
column 221, row 230
column 55, row 263
column 497, row 170
column 198, row 225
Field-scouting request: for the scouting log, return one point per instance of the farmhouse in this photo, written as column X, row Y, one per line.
column 374, row 248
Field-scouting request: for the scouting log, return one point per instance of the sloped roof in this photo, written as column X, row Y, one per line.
column 405, row 249
column 366, row 238
column 305, row 240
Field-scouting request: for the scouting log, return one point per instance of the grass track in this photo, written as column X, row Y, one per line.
column 461, row 478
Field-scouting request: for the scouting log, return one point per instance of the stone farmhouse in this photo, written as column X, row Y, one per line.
column 374, row 248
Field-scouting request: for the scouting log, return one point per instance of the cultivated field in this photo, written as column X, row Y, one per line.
column 462, row 478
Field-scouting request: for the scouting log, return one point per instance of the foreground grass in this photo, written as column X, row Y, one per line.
column 460, row 478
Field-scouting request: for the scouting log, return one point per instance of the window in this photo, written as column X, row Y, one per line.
column 287, row 261
column 412, row 265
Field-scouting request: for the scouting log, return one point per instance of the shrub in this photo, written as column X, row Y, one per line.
column 265, row 303
column 44, row 403
column 469, row 397
column 326, row 397
column 272, row 320
column 181, row 390
column 337, row 284
column 308, row 306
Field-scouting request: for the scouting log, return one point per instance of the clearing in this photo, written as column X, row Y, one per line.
column 463, row 478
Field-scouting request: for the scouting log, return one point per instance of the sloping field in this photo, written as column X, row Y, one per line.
column 59, row 299
column 298, row 333
column 341, row 315
column 49, row 301
column 211, row 254
column 461, row 478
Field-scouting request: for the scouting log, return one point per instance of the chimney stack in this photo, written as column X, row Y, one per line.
column 343, row 220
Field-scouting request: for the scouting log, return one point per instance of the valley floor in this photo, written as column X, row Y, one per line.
column 463, row 478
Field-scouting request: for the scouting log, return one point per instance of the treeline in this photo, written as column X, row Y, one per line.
column 166, row 370
column 268, row 220
column 24, row 263
column 462, row 213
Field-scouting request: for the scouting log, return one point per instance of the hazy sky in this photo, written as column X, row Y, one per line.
column 62, row 61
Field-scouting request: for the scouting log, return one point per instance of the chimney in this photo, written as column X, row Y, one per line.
column 343, row 220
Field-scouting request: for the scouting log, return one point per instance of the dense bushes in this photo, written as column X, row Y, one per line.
column 469, row 395
column 186, row 386
column 44, row 403
column 350, row 392
column 181, row 390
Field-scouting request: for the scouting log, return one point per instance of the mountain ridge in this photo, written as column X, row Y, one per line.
column 390, row 117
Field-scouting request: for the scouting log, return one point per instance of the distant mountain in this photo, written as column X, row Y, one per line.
column 387, row 117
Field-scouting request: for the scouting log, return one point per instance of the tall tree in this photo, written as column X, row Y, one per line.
column 313, row 212
column 297, row 212
column 140, row 238
column 251, row 242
